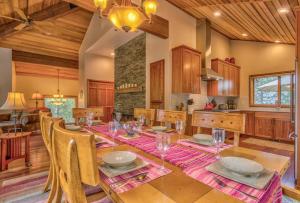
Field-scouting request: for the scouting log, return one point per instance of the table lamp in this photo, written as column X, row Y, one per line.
column 15, row 101
column 37, row 96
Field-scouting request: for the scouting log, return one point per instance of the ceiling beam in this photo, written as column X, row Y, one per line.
column 50, row 13
column 27, row 57
column 158, row 27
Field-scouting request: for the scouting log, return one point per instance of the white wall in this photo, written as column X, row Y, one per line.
column 182, row 30
column 259, row 58
column 99, row 68
column 6, row 74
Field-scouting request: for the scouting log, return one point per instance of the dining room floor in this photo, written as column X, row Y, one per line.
column 40, row 160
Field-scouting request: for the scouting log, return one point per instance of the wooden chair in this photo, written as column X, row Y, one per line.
column 170, row 117
column 46, row 123
column 79, row 113
column 231, row 122
column 75, row 162
column 148, row 113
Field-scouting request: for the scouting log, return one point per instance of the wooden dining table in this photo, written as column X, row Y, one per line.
column 177, row 186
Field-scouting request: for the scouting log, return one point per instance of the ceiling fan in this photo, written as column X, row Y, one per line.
column 27, row 23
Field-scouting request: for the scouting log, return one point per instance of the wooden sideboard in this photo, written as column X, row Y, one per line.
column 230, row 85
column 186, row 70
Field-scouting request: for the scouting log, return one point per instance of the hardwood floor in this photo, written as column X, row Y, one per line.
column 40, row 160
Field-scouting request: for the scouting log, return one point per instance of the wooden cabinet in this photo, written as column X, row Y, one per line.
column 186, row 70
column 271, row 125
column 230, row 85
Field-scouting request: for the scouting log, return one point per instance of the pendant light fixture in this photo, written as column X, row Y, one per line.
column 126, row 16
column 58, row 98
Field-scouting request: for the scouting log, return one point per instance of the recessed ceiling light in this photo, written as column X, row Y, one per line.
column 112, row 54
column 244, row 34
column 277, row 41
column 217, row 13
column 283, row 10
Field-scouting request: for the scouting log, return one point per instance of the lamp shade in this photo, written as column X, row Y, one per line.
column 14, row 101
column 37, row 96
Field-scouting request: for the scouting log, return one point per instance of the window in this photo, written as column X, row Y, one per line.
column 271, row 90
column 64, row 111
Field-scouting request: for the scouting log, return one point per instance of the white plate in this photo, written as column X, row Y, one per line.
column 159, row 128
column 73, row 127
column 241, row 165
column 119, row 158
column 203, row 137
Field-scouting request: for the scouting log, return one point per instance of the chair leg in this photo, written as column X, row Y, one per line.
column 55, row 194
column 49, row 179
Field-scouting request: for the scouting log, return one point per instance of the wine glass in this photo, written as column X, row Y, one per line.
column 113, row 129
column 179, row 125
column 141, row 122
column 218, row 139
column 118, row 116
column 163, row 142
column 89, row 119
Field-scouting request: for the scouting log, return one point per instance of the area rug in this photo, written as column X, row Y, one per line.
column 271, row 144
column 29, row 189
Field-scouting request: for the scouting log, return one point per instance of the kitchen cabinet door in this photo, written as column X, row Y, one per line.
column 282, row 129
column 196, row 74
column 264, row 127
column 187, row 72
column 157, row 80
column 250, row 123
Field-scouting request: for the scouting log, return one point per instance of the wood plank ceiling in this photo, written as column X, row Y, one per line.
column 259, row 19
column 67, row 30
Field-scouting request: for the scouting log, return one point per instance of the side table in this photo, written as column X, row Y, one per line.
column 14, row 146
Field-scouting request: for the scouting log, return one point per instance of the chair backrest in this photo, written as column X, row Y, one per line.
column 79, row 113
column 75, row 161
column 170, row 117
column 148, row 113
column 232, row 122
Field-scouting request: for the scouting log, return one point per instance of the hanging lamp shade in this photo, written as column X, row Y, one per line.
column 100, row 4
column 150, row 7
column 14, row 101
column 127, row 18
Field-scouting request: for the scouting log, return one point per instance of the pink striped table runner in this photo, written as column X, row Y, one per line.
column 153, row 172
column 193, row 163
column 105, row 143
column 272, row 193
column 210, row 149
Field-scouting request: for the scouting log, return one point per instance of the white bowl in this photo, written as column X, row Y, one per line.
column 73, row 127
column 203, row 137
column 119, row 158
column 242, row 166
column 159, row 128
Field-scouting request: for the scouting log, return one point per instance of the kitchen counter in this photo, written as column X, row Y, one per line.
column 282, row 110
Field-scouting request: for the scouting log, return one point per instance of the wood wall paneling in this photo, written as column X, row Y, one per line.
column 41, row 70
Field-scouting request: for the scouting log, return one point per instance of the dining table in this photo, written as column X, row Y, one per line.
column 177, row 185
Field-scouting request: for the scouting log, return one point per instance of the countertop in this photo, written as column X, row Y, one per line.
column 282, row 110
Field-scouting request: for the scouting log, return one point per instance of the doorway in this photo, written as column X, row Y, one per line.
column 157, row 84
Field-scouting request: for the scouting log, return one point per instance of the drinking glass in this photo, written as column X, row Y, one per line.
column 89, row 119
column 163, row 142
column 113, row 129
column 179, row 125
column 118, row 116
column 218, row 139
column 141, row 122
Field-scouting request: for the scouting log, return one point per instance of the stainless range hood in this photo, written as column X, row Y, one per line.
column 209, row 74
column 204, row 45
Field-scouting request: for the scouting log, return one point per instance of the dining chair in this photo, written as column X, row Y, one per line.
column 82, row 113
column 148, row 113
column 75, row 162
column 46, row 123
column 165, row 117
column 231, row 122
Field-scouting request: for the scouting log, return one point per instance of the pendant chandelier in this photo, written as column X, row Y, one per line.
column 128, row 17
column 58, row 98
